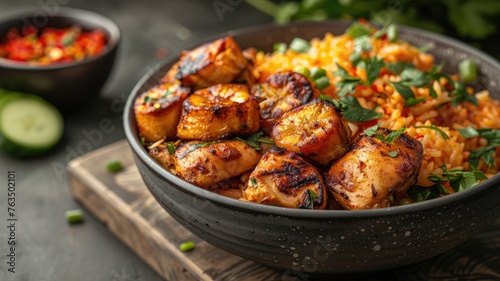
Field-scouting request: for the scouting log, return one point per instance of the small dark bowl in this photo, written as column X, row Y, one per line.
column 66, row 85
column 329, row 241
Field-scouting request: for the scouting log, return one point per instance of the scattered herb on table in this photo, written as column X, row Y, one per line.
column 74, row 216
column 114, row 166
column 187, row 246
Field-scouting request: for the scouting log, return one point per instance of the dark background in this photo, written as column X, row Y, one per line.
column 48, row 248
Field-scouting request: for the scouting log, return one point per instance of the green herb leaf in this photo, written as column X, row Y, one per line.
column 254, row 140
column 487, row 153
column 468, row 132
column 372, row 67
column 403, row 90
column 356, row 113
column 392, row 136
column 372, row 130
column 432, row 127
column 399, row 67
column 300, row 45
column 460, row 95
column 312, row 197
column 362, row 44
column 171, row 148
column 254, row 182
column 166, row 93
column 392, row 153
column 348, row 83
column 357, row 30
column 414, row 77
column 458, row 179
column 338, row 104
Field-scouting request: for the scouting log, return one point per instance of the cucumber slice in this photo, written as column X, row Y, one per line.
column 29, row 125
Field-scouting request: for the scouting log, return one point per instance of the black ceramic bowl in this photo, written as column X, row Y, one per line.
column 66, row 85
column 329, row 241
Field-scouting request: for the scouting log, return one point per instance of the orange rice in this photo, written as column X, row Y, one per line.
column 453, row 152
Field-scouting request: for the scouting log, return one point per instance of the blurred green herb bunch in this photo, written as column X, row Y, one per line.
column 476, row 22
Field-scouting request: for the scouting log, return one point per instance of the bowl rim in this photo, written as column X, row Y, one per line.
column 109, row 25
column 194, row 190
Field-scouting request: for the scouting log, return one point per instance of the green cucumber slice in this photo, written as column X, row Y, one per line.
column 29, row 125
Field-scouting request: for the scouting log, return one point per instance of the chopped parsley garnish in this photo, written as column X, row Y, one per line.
column 171, row 148
column 432, row 127
column 279, row 47
column 362, row 44
column 487, row 153
column 149, row 99
column 254, row 182
column 356, row 113
column 391, row 137
column 312, row 196
column 255, row 139
column 372, row 67
column 348, row 83
column 460, row 94
column 392, row 153
column 458, row 179
column 299, row 45
column 338, row 104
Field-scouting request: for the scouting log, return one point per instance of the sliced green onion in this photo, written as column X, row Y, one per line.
column 302, row 70
column 392, row 33
column 392, row 154
column 317, row 72
column 143, row 140
column 279, row 47
column 300, row 45
column 74, row 216
column 186, row 246
column 405, row 201
column 468, row 70
column 254, row 182
column 114, row 166
column 171, row 148
column 322, row 83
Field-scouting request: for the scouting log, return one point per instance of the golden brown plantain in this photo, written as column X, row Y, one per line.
column 218, row 112
column 220, row 61
column 206, row 163
column 316, row 130
column 158, row 111
column 280, row 93
column 283, row 178
column 374, row 173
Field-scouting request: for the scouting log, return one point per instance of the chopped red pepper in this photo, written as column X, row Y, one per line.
column 51, row 45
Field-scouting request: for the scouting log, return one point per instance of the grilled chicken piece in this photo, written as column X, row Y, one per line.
column 283, row 178
column 373, row 173
column 220, row 61
column 158, row 111
column 162, row 155
column 229, row 188
column 316, row 130
column 280, row 93
column 204, row 164
column 218, row 112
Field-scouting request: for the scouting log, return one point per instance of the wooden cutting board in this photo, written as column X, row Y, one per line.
column 122, row 202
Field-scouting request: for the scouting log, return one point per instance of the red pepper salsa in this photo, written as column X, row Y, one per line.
column 51, row 45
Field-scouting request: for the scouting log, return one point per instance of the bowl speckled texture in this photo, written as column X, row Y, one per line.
column 66, row 85
column 314, row 241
